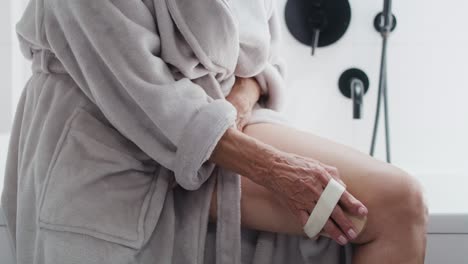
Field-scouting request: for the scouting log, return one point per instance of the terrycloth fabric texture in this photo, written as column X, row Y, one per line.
column 108, row 159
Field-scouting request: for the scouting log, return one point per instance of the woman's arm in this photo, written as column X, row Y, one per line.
column 258, row 204
column 295, row 181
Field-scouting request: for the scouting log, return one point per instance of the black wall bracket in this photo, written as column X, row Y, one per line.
column 379, row 22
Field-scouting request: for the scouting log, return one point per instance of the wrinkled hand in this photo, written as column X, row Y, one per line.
column 243, row 96
column 300, row 181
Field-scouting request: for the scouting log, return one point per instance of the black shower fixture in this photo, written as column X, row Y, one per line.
column 317, row 23
column 353, row 84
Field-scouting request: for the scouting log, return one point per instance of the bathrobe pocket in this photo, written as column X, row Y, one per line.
column 99, row 184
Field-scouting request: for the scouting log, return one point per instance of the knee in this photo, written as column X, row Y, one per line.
column 402, row 197
column 414, row 203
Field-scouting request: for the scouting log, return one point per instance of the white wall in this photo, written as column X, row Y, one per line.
column 428, row 88
column 5, row 67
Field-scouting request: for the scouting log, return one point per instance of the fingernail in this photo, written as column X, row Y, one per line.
column 352, row 234
column 342, row 240
column 363, row 211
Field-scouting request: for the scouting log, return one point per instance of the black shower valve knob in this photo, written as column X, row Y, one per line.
column 317, row 23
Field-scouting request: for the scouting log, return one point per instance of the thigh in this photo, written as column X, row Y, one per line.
column 375, row 183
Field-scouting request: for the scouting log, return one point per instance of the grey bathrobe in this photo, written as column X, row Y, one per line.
column 108, row 159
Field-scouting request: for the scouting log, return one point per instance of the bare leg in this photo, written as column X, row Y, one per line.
column 395, row 231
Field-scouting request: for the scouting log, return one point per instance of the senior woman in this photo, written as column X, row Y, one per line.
column 150, row 133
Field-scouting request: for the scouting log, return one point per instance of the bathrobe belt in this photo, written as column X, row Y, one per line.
column 44, row 61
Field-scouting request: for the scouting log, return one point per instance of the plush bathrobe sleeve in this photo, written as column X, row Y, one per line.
column 271, row 79
column 111, row 48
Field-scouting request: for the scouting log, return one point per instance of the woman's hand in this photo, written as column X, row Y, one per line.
column 300, row 181
column 243, row 96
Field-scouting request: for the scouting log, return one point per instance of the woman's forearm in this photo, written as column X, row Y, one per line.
column 250, row 157
column 245, row 155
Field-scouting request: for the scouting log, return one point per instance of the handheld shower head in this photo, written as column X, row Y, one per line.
column 384, row 23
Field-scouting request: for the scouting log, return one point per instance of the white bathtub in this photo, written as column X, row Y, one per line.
column 447, row 195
